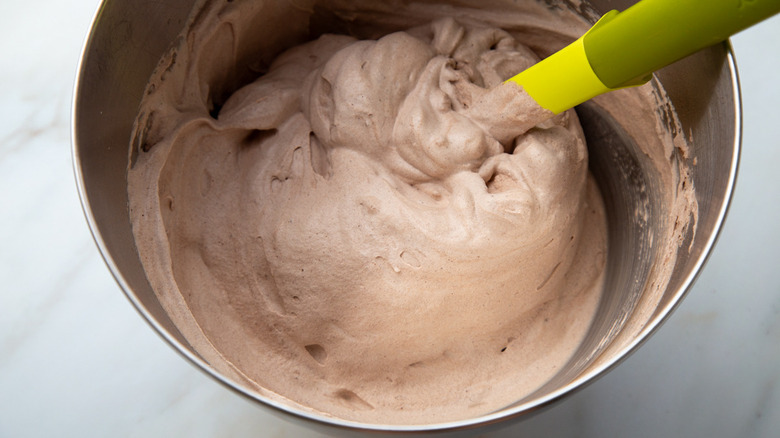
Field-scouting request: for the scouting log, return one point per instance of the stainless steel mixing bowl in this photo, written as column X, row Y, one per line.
column 127, row 40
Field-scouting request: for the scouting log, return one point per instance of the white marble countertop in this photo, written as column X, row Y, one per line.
column 77, row 360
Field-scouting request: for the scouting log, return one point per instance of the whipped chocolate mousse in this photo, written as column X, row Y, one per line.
column 368, row 226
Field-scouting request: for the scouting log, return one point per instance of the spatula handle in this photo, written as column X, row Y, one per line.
column 655, row 33
column 624, row 48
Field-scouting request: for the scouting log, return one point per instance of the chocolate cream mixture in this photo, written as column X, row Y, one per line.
column 376, row 229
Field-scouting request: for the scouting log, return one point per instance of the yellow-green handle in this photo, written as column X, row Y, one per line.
column 624, row 49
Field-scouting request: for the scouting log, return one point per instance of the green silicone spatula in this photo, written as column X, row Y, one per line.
column 624, row 48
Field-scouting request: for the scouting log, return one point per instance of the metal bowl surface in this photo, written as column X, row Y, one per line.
column 129, row 37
